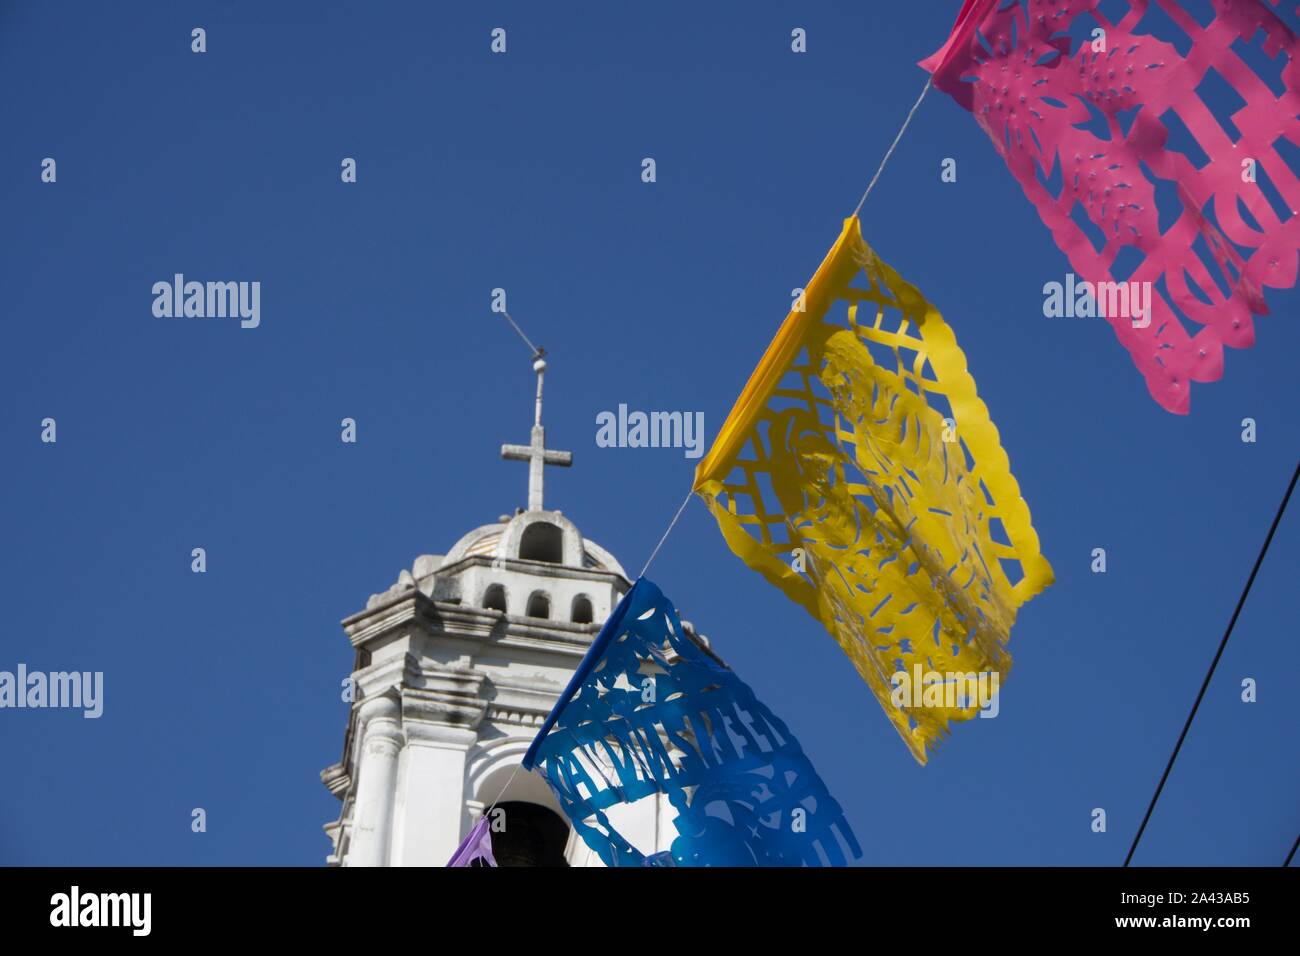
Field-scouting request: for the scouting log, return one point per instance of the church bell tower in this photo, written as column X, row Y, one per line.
column 457, row 665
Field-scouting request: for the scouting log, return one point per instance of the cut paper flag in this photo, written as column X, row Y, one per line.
column 1150, row 194
column 860, row 474
column 477, row 845
column 652, row 715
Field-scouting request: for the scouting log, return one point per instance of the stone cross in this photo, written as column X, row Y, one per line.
column 536, row 453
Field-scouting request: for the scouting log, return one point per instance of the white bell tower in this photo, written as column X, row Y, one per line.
column 457, row 665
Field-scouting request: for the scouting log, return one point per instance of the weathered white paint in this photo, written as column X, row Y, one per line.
column 449, row 694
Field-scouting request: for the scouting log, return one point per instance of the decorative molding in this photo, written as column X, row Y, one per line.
column 516, row 715
column 457, row 620
column 542, row 568
column 336, row 779
column 441, row 694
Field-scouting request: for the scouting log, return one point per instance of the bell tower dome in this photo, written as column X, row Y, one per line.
column 456, row 666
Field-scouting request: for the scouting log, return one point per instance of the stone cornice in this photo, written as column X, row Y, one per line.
column 404, row 608
column 438, row 694
column 377, row 679
column 336, row 779
column 443, row 617
column 544, row 569
column 525, row 704
column 532, row 633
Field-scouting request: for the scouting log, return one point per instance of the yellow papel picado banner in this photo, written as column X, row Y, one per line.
column 859, row 472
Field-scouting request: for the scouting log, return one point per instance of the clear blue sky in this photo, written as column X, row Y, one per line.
column 523, row 171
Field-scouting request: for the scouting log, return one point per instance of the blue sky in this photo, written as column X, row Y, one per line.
column 522, row 171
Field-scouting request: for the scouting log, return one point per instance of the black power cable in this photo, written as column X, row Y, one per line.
column 1277, row 519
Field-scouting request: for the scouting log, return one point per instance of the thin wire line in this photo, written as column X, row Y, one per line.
column 667, row 532
column 890, row 152
column 1291, row 856
column 682, row 507
column 871, row 185
column 494, row 803
column 537, row 353
column 1277, row 519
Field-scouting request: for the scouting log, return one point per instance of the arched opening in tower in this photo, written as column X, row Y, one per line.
column 526, row 834
column 539, row 605
column 494, row 598
column 542, row 541
column 582, row 613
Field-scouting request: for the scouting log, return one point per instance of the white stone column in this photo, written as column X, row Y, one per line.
column 431, row 812
column 381, row 743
